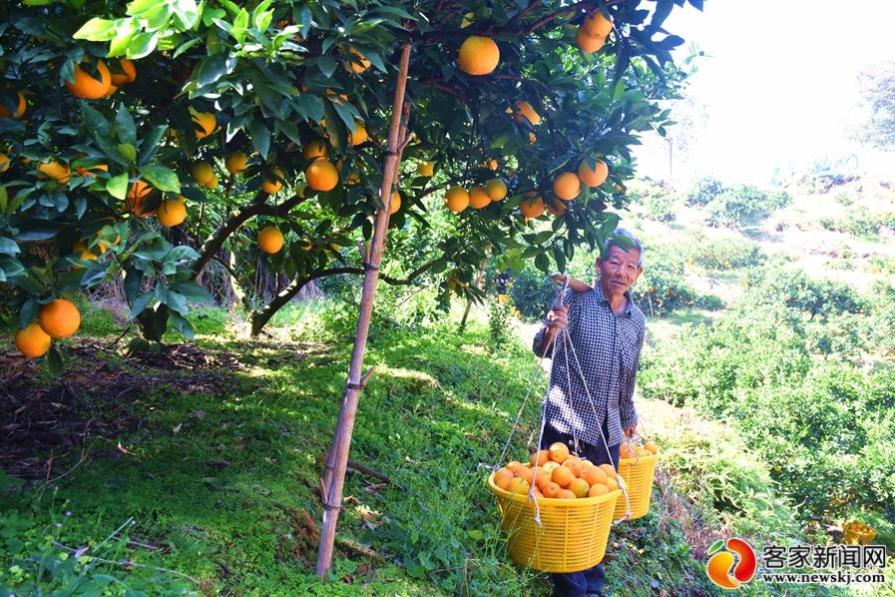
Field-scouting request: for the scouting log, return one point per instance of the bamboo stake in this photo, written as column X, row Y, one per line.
column 342, row 440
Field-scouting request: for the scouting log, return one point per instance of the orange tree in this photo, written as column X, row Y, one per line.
column 141, row 140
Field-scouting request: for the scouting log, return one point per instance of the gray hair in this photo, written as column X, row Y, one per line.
column 625, row 241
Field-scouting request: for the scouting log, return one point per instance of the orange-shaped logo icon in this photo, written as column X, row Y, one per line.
column 732, row 563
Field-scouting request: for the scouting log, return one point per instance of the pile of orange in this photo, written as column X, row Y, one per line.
column 558, row 474
column 630, row 450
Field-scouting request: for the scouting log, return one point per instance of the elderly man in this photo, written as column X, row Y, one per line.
column 606, row 330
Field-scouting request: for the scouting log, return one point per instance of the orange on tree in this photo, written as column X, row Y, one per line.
column 525, row 109
column 59, row 318
column 322, row 175
column 171, row 212
column 557, row 208
column 32, row 341
column 593, row 177
column 84, row 254
column 206, row 123
column 588, row 43
column 478, row 198
column 274, row 184
column 426, row 168
column 596, row 24
column 56, row 170
column 491, row 164
column 137, row 193
column 532, row 207
column 395, row 203
column 123, row 72
column 236, row 162
column 567, row 186
column 212, row 183
column 18, row 111
column 202, row 172
column 271, row 240
column 357, row 63
column 315, row 149
column 359, row 134
column 496, row 189
column 456, row 199
column 478, row 56
column 4, row 163
column 86, row 86
column 87, row 172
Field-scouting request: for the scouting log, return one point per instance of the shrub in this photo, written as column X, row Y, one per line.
column 726, row 254
column 662, row 288
column 532, row 293
column 743, row 205
column 704, row 191
column 798, row 291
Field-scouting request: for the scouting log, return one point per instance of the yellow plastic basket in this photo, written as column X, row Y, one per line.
column 637, row 474
column 572, row 535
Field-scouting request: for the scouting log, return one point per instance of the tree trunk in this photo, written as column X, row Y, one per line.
column 342, row 440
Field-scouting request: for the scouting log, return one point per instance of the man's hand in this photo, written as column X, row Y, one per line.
column 557, row 319
column 630, row 430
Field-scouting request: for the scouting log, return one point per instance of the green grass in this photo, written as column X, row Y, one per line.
column 221, row 475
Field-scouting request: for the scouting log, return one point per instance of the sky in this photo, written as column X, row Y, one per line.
column 778, row 85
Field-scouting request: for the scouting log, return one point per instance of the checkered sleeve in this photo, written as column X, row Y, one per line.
column 627, row 412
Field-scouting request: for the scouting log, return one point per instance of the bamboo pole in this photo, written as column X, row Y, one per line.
column 342, row 440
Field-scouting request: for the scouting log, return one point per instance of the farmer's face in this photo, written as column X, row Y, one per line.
column 620, row 269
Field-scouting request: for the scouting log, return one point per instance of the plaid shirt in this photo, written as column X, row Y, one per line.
column 608, row 348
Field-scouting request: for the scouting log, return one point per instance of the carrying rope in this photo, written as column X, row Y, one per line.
column 567, row 346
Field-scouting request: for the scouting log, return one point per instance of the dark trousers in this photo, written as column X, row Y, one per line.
column 586, row 582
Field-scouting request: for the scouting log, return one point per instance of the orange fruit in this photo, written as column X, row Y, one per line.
column 502, row 478
column 139, row 191
column 202, row 172
column 573, row 464
column 594, row 474
column 557, row 208
column 84, row 254
column 612, row 484
column 539, row 458
column 597, row 25
column 426, row 168
column 642, row 452
column 357, row 62
column 496, row 189
column 541, row 477
column 359, row 134
column 124, row 73
column 518, row 485
column 551, row 489
column 456, row 199
column 59, row 318
column 21, row 106
column 525, row 109
column 588, row 43
column 206, row 123
column 491, row 164
column 610, row 472
column 478, row 55
column 565, row 494
column 478, row 198
column 56, row 170
column 593, row 177
column 212, row 182
column 271, row 240
column 87, row 172
column 315, row 149
column 550, row 465
column 32, row 341
column 566, row 186
column 562, row 476
column 104, row 246
column 171, row 213
column 525, row 473
column 395, row 203
column 618, row 188
column 625, row 450
column 86, row 86
column 322, row 175
column 532, row 208
column 273, row 185
column 597, row 489
column 4, row 163
column 579, row 487
column 651, row 447
column 236, row 162
column 558, row 452
column 513, row 465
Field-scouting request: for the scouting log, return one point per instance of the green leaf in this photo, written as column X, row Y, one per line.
column 122, row 41
column 8, row 246
column 28, row 312
column 162, row 178
column 117, row 186
column 149, row 144
column 54, row 363
column 214, row 67
column 97, row 29
column 142, row 45
column 260, row 136
column 717, row 545
column 542, row 263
